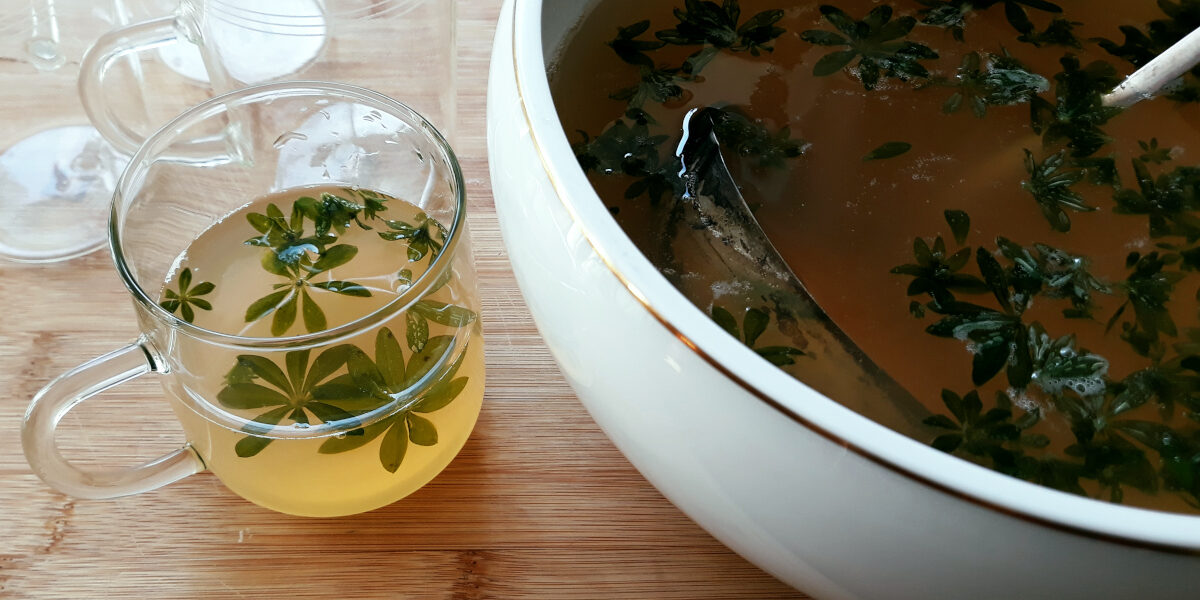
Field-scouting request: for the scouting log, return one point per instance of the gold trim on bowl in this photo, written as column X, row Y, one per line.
column 559, row 190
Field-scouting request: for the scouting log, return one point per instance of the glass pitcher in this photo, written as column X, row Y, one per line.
column 402, row 48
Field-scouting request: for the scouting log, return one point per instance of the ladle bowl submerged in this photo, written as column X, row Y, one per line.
column 821, row 497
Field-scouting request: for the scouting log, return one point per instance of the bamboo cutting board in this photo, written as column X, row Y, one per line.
column 538, row 504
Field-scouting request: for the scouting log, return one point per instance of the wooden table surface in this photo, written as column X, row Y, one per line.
column 538, row 504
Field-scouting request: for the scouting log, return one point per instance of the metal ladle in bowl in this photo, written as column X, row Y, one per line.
column 717, row 234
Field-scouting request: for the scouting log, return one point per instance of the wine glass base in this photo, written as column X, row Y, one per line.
column 56, row 187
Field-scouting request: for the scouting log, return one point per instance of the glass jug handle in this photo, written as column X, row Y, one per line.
column 100, row 59
column 55, row 400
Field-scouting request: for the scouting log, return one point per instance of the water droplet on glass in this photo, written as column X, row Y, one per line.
column 287, row 137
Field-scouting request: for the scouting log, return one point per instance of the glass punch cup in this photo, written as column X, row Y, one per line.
column 299, row 264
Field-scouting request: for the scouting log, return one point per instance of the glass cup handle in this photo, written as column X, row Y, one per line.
column 100, row 59
column 55, row 400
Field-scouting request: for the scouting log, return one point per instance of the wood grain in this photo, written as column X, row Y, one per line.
column 538, row 505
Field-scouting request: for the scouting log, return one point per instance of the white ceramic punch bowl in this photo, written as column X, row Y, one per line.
column 822, row 498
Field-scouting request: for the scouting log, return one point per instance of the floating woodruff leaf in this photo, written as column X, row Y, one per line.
column 1152, row 153
column 1058, row 365
column 422, row 312
column 1078, row 112
column 187, row 296
column 994, row 435
column 1179, row 454
column 1060, row 32
column 289, row 253
column 1169, row 200
column 875, row 41
column 984, row 80
column 300, row 269
column 947, row 14
column 960, row 224
column 1053, row 273
column 304, row 394
column 660, row 85
column 716, row 27
column 333, row 212
column 385, row 380
column 284, row 235
column 951, row 14
column 937, row 273
column 999, row 338
column 632, row 50
column 424, row 235
column 888, row 150
column 1050, row 184
column 630, row 150
column 1148, row 289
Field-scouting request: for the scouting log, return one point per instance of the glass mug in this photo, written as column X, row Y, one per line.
column 335, row 421
column 403, row 48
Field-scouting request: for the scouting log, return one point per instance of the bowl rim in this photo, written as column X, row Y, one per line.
column 1173, row 533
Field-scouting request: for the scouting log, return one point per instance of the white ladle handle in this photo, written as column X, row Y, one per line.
column 1164, row 68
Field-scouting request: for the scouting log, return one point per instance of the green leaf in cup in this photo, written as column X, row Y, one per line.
column 284, row 302
column 187, row 297
column 298, row 257
column 303, row 394
column 423, row 236
column 389, row 377
column 443, row 313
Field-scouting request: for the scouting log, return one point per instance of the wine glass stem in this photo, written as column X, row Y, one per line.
column 43, row 44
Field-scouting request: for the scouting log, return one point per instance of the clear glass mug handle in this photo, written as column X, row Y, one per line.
column 55, row 400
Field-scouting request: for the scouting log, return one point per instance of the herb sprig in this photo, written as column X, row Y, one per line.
column 1078, row 113
column 952, row 14
column 387, row 379
column 187, row 297
column 1050, row 183
column 306, row 393
column 876, row 41
column 716, row 27
column 298, row 257
column 984, row 80
column 1109, row 451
